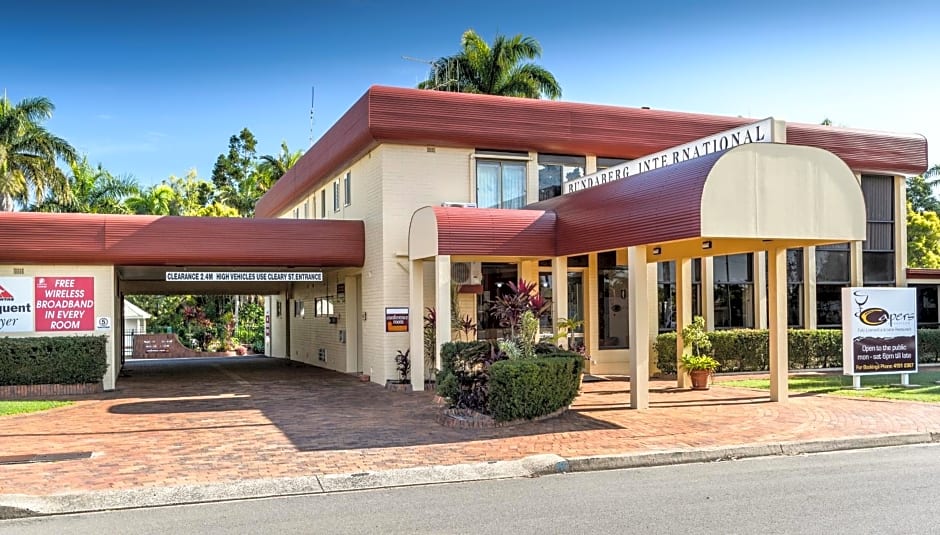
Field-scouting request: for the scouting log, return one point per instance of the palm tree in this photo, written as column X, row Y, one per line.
column 28, row 153
column 274, row 167
column 155, row 200
column 90, row 190
column 499, row 69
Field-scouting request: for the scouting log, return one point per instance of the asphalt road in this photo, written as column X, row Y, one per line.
column 886, row 490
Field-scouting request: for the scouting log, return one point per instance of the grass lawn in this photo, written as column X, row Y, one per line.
column 21, row 407
column 879, row 386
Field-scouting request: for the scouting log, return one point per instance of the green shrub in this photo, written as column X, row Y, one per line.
column 928, row 345
column 529, row 388
column 52, row 360
column 464, row 373
column 665, row 347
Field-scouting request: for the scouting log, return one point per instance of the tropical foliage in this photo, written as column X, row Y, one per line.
column 923, row 222
column 29, row 153
column 498, row 69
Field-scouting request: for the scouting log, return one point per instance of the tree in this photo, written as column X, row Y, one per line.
column 159, row 199
column 91, row 190
column 923, row 238
column 920, row 193
column 274, row 167
column 235, row 174
column 28, row 153
column 499, row 69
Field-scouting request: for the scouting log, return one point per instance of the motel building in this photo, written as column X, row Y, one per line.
column 631, row 220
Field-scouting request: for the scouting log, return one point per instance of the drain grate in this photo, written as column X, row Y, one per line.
column 44, row 457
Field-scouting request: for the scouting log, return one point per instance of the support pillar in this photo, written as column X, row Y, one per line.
column 759, row 268
column 777, row 297
column 416, row 323
column 708, row 292
column 639, row 328
column 560, row 294
column 683, row 315
column 442, row 305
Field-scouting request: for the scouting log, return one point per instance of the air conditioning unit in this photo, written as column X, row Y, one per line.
column 466, row 273
column 449, row 204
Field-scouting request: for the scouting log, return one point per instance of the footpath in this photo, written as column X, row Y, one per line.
column 260, row 428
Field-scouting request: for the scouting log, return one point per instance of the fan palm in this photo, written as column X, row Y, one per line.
column 499, row 69
column 28, row 153
column 273, row 167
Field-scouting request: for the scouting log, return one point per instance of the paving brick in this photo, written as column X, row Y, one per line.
column 221, row 420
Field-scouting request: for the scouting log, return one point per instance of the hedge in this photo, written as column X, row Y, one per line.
column 529, row 388
column 52, row 360
column 747, row 349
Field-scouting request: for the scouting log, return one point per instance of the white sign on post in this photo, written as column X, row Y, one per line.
column 759, row 132
column 879, row 331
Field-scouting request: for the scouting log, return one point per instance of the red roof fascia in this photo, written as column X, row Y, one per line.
column 38, row 238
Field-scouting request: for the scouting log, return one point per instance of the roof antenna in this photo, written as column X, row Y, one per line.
column 312, row 94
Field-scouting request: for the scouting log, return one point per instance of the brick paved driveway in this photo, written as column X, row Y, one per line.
column 216, row 420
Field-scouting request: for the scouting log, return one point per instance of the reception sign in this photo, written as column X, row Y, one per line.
column 65, row 304
column 879, row 331
column 396, row 320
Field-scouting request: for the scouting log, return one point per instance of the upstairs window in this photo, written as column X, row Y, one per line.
column 500, row 184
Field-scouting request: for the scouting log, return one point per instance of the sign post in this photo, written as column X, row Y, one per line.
column 879, row 333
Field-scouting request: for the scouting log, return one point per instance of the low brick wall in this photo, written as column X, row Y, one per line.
column 168, row 346
column 468, row 419
column 43, row 391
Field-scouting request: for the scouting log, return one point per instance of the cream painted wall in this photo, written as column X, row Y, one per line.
column 105, row 305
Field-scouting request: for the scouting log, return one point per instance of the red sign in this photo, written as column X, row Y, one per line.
column 65, row 303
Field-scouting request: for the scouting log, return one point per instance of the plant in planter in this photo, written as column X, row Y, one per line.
column 697, row 359
column 403, row 365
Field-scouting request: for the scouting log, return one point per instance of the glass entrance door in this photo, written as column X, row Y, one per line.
column 576, row 308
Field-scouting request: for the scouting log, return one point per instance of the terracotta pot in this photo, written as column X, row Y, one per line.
column 700, row 379
column 365, row 378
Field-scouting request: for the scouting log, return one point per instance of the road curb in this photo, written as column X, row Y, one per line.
column 727, row 453
column 532, row 466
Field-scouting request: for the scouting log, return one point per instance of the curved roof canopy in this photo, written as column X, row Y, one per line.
column 733, row 201
column 135, row 240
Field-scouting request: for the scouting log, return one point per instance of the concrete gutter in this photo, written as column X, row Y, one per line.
column 18, row 505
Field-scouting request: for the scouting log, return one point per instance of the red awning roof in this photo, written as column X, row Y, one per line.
column 38, row 238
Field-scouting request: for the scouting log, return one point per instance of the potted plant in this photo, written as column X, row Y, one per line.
column 697, row 359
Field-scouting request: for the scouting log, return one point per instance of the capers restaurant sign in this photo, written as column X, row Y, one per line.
column 879, row 331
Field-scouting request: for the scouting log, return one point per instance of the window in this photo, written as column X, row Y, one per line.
column 927, row 317
column 795, row 288
column 495, row 277
column 555, row 170
column 604, row 163
column 500, row 184
column 612, row 302
column 323, row 204
column 666, row 284
column 734, row 291
column 297, row 213
column 832, row 273
column 347, row 188
column 306, row 210
column 336, row 195
column 298, row 308
column 878, row 247
column 322, row 306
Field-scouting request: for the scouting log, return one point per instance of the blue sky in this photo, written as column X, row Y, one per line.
column 157, row 88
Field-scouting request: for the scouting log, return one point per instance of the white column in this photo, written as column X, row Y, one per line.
column 900, row 231
column 639, row 328
column 809, row 287
column 416, row 323
column 855, row 264
column 777, row 294
column 442, row 304
column 560, row 294
column 683, row 314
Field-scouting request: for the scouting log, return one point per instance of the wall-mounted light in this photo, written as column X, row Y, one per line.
column 657, row 251
column 499, row 285
column 707, row 244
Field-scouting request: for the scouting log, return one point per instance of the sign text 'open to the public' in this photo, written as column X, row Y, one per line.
column 244, row 276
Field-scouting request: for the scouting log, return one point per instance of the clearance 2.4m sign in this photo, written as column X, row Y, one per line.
column 47, row 304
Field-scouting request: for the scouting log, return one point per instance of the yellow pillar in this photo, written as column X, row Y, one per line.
column 416, row 323
column 639, row 328
column 855, row 264
column 759, row 267
column 900, row 231
column 809, row 287
column 683, row 314
column 591, row 313
column 777, row 297
column 529, row 271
